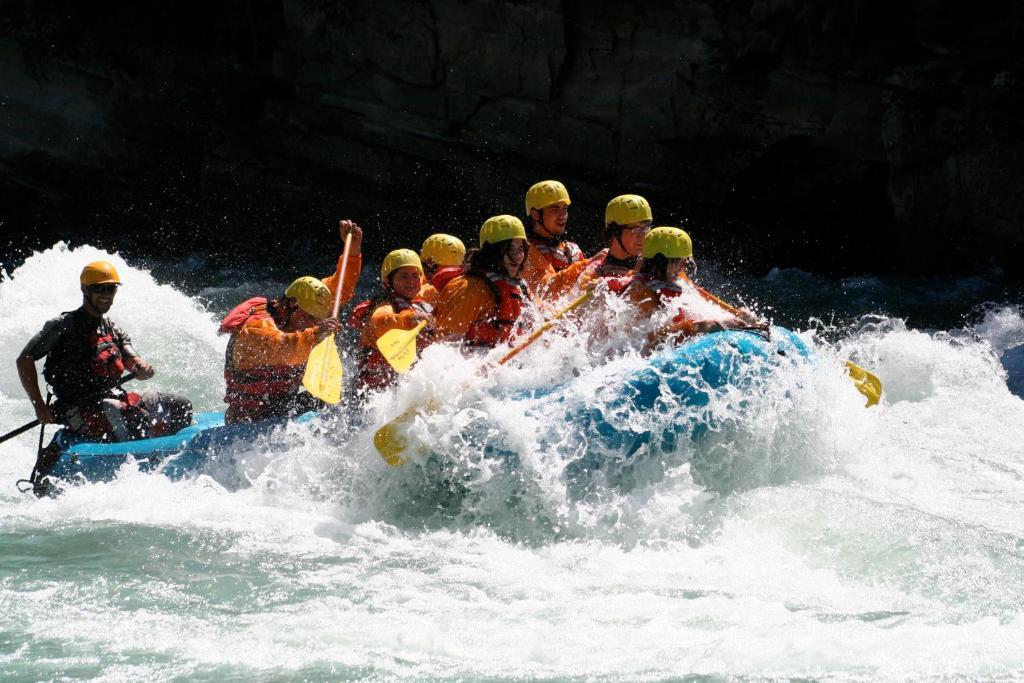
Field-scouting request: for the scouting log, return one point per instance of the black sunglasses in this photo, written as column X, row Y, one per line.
column 103, row 289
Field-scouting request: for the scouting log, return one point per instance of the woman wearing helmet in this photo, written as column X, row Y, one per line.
column 442, row 257
column 398, row 307
column 482, row 308
column 662, row 277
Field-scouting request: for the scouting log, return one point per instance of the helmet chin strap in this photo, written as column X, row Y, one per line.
column 618, row 238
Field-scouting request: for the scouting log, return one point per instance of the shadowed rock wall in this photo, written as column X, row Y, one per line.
column 838, row 137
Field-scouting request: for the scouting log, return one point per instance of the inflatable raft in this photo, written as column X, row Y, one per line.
column 667, row 399
column 617, row 415
column 186, row 453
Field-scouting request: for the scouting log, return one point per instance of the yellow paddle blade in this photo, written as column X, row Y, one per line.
column 866, row 383
column 390, row 444
column 323, row 372
column 399, row 347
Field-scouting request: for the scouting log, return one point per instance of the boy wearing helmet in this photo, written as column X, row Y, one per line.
column 547, row 214
column 399, row 307
column 627, row 221
column 662, row 277
column 86, row 355
column 442, row 257
column 271, row 340
column 482, row 308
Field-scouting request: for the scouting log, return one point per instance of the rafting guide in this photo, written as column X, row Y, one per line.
column 86, row 355
column 86, row 358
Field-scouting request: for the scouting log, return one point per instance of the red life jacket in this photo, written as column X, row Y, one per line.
column 663, row 290
column 86, row 360
column 374, row 370
column 106, row 358
column 559, row 254
column 601, row 266
column 499, row 325
column 256, row 387
column 442, row 276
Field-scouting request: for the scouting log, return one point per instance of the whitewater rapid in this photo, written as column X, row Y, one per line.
column 805, row 536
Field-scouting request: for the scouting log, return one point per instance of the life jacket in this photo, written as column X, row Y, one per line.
column 254, row 388
column 374, row 370
column 604, row 265
column 662, row 289
column 499, row 325
column 86, row 362
column 560, row 254
column 442, row 276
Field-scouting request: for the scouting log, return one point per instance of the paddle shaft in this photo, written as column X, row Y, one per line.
column 341, row 275
column 535, row 335
column 862, row 378
column 25, row 427
column 384, row 439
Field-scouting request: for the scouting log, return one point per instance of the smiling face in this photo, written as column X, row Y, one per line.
column 552, row 220
column 406, row 282
column 513, row 256
column 99, row 298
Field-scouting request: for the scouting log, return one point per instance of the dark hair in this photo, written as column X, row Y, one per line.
column 611, row 230
column 656, row 266
column 491, row 256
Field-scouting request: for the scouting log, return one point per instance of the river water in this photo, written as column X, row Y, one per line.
column 806, row 537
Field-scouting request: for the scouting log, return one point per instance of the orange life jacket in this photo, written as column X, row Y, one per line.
column 444, row 275
column 501, row 323
column 374, row 370
column 254, row 388
column 560, row 254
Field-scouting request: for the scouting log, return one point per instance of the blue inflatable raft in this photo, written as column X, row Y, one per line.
column 179, row 455
column 651, row 407
column 679, row 384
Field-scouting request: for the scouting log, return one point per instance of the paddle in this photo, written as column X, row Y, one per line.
column 866, row 383
column 323, row 368
column 389, row 442
column 25, row 427
column 399, row 347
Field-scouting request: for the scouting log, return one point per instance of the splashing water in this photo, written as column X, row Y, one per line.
column 794, row 534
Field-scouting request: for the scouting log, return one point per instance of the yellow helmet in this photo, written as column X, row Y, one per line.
column 444, row 250
column 669, row 242
column 397, row 259
column 545, row 193
column 500, row 228
column 626, row 209
column 312, row 295
column 99, row 273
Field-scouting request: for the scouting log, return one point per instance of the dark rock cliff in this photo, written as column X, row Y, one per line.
column 838, row 137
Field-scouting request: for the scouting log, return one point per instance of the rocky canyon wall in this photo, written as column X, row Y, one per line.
column 849, row 137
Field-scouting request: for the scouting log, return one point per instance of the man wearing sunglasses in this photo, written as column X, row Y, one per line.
column 86, row 355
